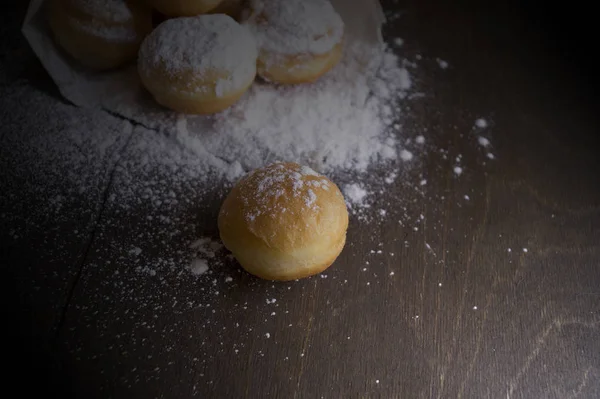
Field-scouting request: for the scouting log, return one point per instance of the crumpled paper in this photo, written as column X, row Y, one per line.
column 120, row 91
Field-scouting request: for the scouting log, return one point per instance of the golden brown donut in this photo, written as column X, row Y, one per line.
column 100, row 34
column 198, row 65
column 299, row 40
column 184, row 8
column 284, row 222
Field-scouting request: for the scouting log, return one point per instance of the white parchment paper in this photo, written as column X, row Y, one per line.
column 120, row 91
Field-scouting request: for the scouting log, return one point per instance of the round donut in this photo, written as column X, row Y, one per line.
column 284, row 222
column 184, row 8
column 198, row 65
column 100, row 34
column 299, row 40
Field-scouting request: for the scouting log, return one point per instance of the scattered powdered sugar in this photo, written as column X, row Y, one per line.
column 481, row 123
column 206, row 247
column 290, row 27
column 355, row 194
column 443, row 64
column 198, row 267
column 391, row 178
column 483, row 141
column 203, row 45
column 205, row 254
column 406, row 155
column 135, row 251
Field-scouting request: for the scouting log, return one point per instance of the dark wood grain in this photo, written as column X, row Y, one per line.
column 467, row 313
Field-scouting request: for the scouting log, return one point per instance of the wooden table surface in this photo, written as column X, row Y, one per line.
column 467, row 312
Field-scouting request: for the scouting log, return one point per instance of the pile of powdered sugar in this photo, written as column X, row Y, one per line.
column 342, row 122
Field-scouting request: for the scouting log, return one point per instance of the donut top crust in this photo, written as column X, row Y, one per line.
column 293, row 27
column 204, row 46
column 113, row 20
column 287, row 206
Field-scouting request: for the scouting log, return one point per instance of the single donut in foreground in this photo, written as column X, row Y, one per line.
column 299, row 40
column 100, row 34
column 198, row 65
column 183, row 8
column 284, row 222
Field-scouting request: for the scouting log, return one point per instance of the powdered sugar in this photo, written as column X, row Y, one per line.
column 112, row 20
column 271, row 190
column 340, row 122
column 198, row 267
column 295, row 26
column 168, row 194
column 443, row 64
column 310, row 198
column 483, row 141
column 481, row 123
column 355, row 194
column 406, row 155
column 119, row 33
column 109, row 10
column 207, row 45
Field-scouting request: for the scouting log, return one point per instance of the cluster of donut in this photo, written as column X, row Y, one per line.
column 201, row 56
column 283, row 221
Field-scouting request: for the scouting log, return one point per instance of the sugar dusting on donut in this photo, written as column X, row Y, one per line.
column 203, row 44
column 110, row 10
column 117, row 34
column 112, row 20
column 295, row 27
column 273, row 185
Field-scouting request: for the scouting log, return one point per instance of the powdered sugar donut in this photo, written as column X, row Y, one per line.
column 198, row 65
column 299, row 40
column 284, row 222
column 100, row 34
column 184, row 8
